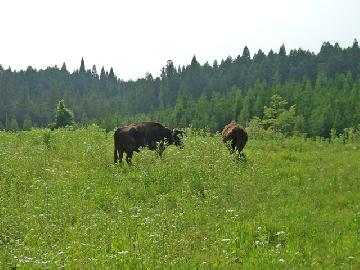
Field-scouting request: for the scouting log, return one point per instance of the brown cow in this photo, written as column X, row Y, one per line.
column 130, row 138
column 237, row 135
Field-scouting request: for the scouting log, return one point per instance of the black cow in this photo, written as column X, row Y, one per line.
column 237, row 136
column 130, row 138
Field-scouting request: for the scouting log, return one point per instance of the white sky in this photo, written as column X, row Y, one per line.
column 139, row 36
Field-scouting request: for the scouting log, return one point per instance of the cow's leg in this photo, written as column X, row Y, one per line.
column 152, row 145
column 121, row 154
column 241, row 153
column 161, row 148
column 240, row 147
column 128, row 157
column 232, row 147
column 116, row 149
column 118, row 154
column 115, row 155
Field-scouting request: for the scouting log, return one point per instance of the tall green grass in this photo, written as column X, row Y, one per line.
column 293, row 203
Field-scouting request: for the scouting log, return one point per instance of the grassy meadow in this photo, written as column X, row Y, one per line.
column 293, row 203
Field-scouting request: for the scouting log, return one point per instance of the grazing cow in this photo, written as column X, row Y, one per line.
column 237, row 135
column 130, row 138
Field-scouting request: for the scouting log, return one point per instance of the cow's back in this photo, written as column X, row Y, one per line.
column 236, row 134
column 127, row 138
column 229, row 130
column 153, row 131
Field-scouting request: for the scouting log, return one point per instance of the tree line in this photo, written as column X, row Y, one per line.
column 319, row 92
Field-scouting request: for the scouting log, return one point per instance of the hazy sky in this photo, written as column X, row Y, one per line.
column 139, row 36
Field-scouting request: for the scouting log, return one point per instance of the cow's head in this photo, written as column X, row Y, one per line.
column 177, row 137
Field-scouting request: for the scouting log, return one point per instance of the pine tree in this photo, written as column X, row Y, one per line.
column 82, row 66
column 27, row 125
column 149, row 77
column 94, row 72
column 112, row 75
column 102, row 74
column 194, row 62
column 63, row 67
column 279, row 118
column 237, row 103
column 282, row 51
column 13, row 126
column 215, row 64
column 63, row 116
column 299, row 125
column 277, row 106
column 246, row 55
column 103, row 81
column 355, row 44
column 245, row 111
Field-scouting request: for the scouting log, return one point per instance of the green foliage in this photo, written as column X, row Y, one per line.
column 349, row 135
column 278, row 118
column 27, row 125
column 245, row 111
column 13, row 126
column 286, row 121
column 277, row 106
column 290, row 204
column 299, row 126
column 325, row 87
column 63, row 116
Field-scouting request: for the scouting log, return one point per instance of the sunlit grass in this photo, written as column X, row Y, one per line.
column 292, row 203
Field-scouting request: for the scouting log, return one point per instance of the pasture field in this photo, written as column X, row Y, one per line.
column 293, row 203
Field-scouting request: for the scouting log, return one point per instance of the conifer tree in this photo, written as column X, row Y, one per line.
column 282, row 50
column 13, row 126
column 102, row 74
column 82, row 66
column 245, row 111
column 63, row 67
column 63, row 116
column 27, row 125
column 94, row 72
column 111, row 75
column 246, row 55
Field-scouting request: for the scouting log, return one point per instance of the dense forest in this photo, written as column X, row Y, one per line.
column 319, row 91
